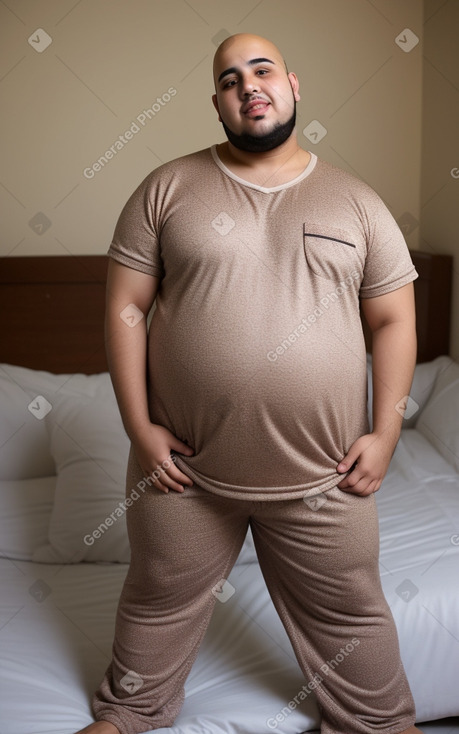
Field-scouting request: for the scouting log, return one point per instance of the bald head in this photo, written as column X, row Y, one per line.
column 245, row 48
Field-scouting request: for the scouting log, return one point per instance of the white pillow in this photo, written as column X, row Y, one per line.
column 24, row 443
column 26, row 396
column 439, row 421
column 90, row 449
column 422, row 387
column 26, row 506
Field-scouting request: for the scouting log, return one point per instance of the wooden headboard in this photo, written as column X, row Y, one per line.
column 433, row 294
column 53, row 311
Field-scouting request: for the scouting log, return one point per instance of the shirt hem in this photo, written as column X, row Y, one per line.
column 389, row 287
column 300, row 491
column 135, row 264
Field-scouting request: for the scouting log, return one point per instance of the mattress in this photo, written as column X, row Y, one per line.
column 57, row 623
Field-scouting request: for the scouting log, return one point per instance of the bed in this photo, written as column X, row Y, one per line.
column 62, row 563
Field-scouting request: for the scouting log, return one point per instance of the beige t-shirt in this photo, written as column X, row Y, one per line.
column 256, row 352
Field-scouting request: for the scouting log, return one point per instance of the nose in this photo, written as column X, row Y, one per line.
column 249, row 86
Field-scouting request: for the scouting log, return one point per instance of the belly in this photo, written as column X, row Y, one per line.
column 230, row 387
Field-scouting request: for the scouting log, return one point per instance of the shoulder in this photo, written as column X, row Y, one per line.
column 343, row 181
column 171, row 177
column 191, row 164
column 170, row 182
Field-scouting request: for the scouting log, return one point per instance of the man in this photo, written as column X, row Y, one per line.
column 257, row 253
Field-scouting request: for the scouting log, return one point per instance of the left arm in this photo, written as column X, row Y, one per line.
column 391, row 319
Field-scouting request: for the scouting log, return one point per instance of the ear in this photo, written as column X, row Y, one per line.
column 295, row 85
column 215, row 103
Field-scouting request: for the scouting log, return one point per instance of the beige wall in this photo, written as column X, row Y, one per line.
column 109, row 60
column 440, row 141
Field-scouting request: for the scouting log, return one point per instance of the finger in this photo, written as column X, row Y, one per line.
column 171, row 476
column 168, row 474
column 180, row 447
column 363, row 487
column 161, row 487
column 174, row 473
column 165, row 481
column 164, row 485
column 352, row 477
column 349, row 460
column 353, row 481
column 374, row 486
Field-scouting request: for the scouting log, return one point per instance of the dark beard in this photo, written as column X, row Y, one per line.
column 262, row 143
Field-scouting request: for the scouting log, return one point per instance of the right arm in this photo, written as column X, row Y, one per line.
column 126, row 347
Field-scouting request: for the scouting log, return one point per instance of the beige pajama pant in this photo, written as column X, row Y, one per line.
column 321, row 569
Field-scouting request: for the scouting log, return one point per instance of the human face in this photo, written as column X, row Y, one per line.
column 255, row 97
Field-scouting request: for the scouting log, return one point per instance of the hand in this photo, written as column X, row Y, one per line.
column 153, row 448
column 371, row 455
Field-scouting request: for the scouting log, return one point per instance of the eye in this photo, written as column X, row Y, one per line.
column 229, row 84
column 262, row 71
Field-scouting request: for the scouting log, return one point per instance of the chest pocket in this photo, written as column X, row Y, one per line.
column 330, row 253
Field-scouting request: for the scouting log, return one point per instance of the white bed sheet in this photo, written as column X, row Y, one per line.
column 418, row 508
column 57, row 630
column 57, row 625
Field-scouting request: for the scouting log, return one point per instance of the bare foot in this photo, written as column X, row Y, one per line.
column 99, row 727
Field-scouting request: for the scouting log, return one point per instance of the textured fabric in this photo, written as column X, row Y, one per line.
column 256, row 352
column 320, row 561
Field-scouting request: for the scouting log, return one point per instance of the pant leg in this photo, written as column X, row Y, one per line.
column 321, row 568
column 182, row 545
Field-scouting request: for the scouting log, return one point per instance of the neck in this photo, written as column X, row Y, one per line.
column 275, row 167
column 275, row 158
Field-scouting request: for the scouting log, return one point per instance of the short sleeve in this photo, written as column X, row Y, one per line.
column 388, row 263
column 135, row 240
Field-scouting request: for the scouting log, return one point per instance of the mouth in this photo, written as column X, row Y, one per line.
column 255, row 108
